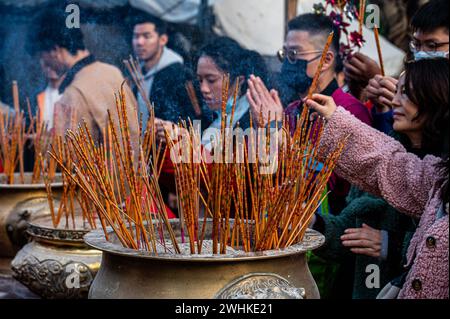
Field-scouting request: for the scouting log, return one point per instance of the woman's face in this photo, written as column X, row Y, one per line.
column 210, row 78
column 405, row 111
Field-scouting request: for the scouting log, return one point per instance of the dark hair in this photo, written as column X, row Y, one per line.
column 427, row 85
column 231, row 58
column 136, row 16
column 431, row 16
column 317, row 24
column 49, row 31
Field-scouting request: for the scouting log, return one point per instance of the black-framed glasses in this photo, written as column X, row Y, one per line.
column 292, row 55
column 427, row 46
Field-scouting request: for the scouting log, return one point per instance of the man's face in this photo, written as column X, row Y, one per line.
column 147, row 43
column 49, row 73
column 306, row 47
column 54, row 60
column 437, row 40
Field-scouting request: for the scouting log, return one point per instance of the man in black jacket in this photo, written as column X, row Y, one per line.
column 164, row 73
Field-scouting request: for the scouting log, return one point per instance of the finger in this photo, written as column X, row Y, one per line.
column 388, row 94
column 251, row 101
column 278, row 112
column 361, row 57
column 389, row 87
column 352, row 230
column 315, row 106
column 322, row 99
column 384, row 101
column 373, row 91
column 360, row 243
column 317, row 102
column 365, row 251
column 263, row 91
column 353, row 71
column 276, row 97
column 389, row 83
column 378, row 78
column 374, row 83
column 394, row 81
column 357, row 63
column 254, row 92
column 353, row 236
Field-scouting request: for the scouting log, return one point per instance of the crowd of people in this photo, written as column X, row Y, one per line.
column 388, row 197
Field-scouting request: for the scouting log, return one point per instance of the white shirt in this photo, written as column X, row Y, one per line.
column 51, row 97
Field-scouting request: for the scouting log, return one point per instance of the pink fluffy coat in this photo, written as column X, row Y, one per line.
column 380, row 165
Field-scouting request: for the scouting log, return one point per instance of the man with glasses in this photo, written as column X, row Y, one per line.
column 305, row 41
column 306, row 38
column 429, row 40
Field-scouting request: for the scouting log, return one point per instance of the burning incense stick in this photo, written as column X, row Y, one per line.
column 315, row 82
column 380, row 54
column 193, row 98
column 362, row 12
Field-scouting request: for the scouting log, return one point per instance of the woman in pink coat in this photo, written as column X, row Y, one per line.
column 381, row 165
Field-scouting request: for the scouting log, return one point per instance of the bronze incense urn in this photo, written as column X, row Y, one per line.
column 56, row 264
column 128, row 273
column 20, row 203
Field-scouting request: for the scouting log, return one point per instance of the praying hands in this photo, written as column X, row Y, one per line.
column 265, row 106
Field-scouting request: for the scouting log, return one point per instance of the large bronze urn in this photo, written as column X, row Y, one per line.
column 20, row 203
column 128, row 273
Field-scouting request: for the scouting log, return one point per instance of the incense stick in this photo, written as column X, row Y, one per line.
column 315, row 82
column 380, row 54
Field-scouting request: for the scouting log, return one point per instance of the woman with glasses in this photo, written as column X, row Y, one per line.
column 369, row 228
column 429, row 40
column 414, row 186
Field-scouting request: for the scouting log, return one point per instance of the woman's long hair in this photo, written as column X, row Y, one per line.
column 232, row 59
column 427, row 86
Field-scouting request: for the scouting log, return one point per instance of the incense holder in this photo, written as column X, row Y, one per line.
column 275, row 274
column 56, row 264
column 20, row 203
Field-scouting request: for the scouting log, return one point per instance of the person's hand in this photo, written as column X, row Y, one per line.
column 381, row 91
column 262, row 102
column 162, row 127
column 322, row 104
column 360, row 68
column 363, row 241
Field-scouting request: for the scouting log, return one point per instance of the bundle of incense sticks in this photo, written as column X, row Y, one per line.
column 72, row 203
column 118, row 183
column 248, row 208
column 14, row 135
column 270, row 211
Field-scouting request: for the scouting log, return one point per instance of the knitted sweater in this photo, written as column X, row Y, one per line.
column 380, row 165
column 375, row 212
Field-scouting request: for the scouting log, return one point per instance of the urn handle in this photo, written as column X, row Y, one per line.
column 16, row 227
column 261, row 286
